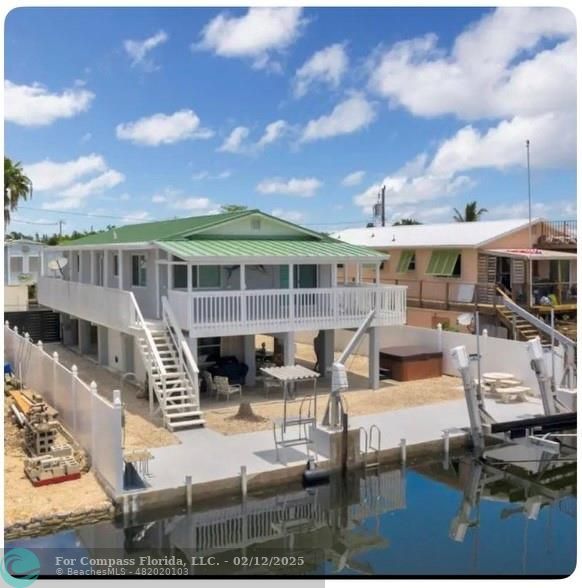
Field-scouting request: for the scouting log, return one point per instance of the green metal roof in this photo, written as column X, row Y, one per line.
column 272, row 248
column 153, row 231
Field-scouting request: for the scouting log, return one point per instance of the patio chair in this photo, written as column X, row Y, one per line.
column 270, row 383
column 209, row 382
column 224, row 388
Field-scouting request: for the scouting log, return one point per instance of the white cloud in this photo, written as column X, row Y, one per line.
column 256, row 35
column 326, row 66
column 492, row 70
column 302, row 187
column 205, row 175
column 273, row 132
column 163, row 129
column 86, row 137
column 138, row 216
column 293, row 216
column 347, row 117
column 197, row 204
column 32, row 106
column 413, row 183
column 234, row 142
column 52, row 175
column 138, row 50
column 553, row 209
column 354, row 178
column 105, row 181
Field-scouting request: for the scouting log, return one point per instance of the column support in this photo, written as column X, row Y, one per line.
column 289, row 348
column 250, row 359
column 120, row 269
column 190, row 302
column 92, row 266
column 374, row 358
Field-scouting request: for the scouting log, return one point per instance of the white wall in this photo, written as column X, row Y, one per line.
column 499, row 355
column 15, row 297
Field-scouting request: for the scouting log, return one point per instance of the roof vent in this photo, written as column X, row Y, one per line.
column 256, row 224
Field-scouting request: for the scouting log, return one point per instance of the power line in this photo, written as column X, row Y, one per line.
column 30, row 222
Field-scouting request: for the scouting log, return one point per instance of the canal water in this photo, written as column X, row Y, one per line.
column 434, row 518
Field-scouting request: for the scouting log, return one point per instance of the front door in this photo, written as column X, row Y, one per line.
column 305, row 276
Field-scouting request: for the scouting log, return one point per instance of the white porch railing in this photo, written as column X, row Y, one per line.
column 247, row 311
column 110, row 307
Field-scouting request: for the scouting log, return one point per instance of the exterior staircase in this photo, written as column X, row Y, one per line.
column 171, row 370
column 519, row 327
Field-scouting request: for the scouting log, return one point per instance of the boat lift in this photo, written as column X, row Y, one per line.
column 540, row 432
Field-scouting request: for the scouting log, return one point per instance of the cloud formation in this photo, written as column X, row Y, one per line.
column 35, row 106
column 302, row 187
column 327, row 66
column 138, row 51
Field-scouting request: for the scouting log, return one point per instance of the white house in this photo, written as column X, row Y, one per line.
column 158, row 298
column 22, row 261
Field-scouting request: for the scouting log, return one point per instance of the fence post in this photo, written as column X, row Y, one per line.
column 93, row 387
column 54, row 386
column 74, row 376
column 118, row 483
column 440, row 336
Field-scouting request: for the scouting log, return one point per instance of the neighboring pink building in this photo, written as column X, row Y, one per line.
column 452, row 267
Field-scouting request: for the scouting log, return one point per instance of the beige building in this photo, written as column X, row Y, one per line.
column 451, row 268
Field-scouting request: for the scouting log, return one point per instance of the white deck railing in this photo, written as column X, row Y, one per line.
column 110, row 307
column 246, row 311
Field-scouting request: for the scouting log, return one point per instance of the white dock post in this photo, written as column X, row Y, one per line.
column 243, row 481
column 403, row 451
column 446, row 447
column 188, row 484
column 74, row 376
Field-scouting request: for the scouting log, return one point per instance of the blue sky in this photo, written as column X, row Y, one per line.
column 142, row 114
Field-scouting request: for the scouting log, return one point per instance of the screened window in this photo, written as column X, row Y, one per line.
column 33, row 263
column 16, row 264
column 115, row 265
column 209, row 276
column 138, row 270
column 407, row 262
column 305, row 276
column 180, row 276
column 445, row 263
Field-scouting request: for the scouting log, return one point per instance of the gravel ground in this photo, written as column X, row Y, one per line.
column 23, row 501
column 141, row 430
column 360, row 400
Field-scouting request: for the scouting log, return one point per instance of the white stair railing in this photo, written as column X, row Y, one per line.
column 185, row 358
column 152, row 359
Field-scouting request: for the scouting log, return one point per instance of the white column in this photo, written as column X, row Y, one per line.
column 374, row 358
column 84, row 336
column 120, row 269
column 42, row 272
column 243, row 276
column 358, row 273
column 250, row 359
column 106, row 268
column 289, row 348
column 333, row 275
column 93, row 266
column 189, row 301
column 327, row 350
column 157, row 273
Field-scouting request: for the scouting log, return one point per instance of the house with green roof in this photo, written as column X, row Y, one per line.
column 167, row 299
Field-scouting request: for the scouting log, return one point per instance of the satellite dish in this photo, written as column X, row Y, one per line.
column 465, row 319
column 26, row 279
column 57, row 264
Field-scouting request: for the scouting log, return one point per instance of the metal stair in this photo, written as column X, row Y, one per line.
column 172, row 372
column 519, row 327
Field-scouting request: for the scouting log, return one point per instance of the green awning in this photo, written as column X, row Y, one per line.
column 404, row 261
column 442, row 262
column 221, row 249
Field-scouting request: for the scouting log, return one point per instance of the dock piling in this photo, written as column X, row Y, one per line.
column 188, row 484
column 403, row 451
column 243, row 481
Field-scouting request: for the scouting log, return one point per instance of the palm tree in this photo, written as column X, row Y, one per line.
column 233, row 208
column 406, row 221
column 17, row 187
column 471, row 215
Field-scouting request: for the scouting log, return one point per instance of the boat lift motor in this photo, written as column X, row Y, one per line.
column 339, row 377
column 550, row 401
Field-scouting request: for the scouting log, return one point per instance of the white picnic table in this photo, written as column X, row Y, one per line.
column 498, row 376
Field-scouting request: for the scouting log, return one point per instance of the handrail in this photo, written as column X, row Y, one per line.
column 142, row 324
column 536, row 322
column 181, row 343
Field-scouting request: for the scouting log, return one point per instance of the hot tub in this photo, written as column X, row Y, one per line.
column 411, row 362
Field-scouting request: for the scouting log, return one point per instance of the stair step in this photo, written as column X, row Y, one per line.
column 184, row 424
column 178, row 398
column 177, row 389
column 187, row 413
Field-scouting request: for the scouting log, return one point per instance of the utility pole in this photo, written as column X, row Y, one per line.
column 61, row 223
column 531, row 245
column 383, row 197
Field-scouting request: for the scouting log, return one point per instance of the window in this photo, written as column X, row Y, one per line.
column 179, row 276
column 208, row 348
column 138, row 270
column 209, row 276
column 445, row 263
column 407, row 262
column 115, row 265
column 305, row 276
column 33, row 263
column 78, row 262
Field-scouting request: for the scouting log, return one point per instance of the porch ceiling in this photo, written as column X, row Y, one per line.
column 536, row 254
column 264, row 250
